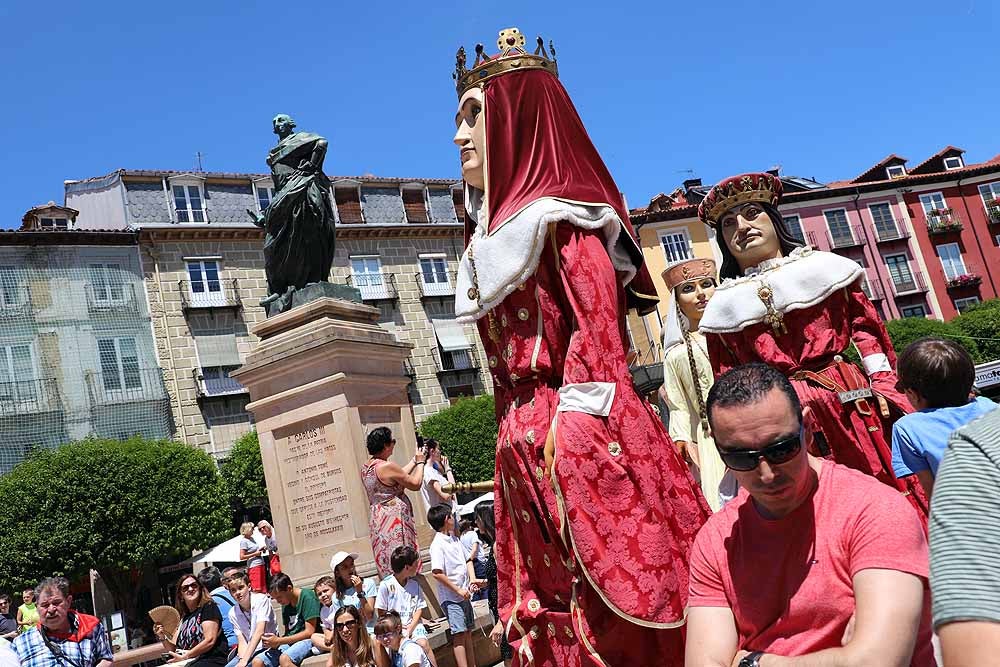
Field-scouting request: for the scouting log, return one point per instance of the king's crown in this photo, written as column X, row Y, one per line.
column 512, row 58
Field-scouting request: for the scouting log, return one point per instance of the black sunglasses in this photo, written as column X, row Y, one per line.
column 347, row 624
column 744, row 460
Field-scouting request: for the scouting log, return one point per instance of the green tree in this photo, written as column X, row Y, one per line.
column 243, row 475
column 982, row 322
column 117, row 507
column 468, row 433
column 906, row 330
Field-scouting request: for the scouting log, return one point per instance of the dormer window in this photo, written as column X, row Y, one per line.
column 953, row 162
column 896, row 171
column 414, row 203
column 348, row 197
column 188, row 204
column 53, row 223
column 265, row 193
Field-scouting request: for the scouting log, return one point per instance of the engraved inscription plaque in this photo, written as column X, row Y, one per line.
column 312, row 475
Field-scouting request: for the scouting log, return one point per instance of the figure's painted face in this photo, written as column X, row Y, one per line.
column 749, row 234
column 693, row 296
column 471, row 137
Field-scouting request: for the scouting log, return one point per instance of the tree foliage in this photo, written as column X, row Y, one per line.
column 467, row 432
column 906, row 330
column 116, row 506
column 982, row 322
column 243, row 474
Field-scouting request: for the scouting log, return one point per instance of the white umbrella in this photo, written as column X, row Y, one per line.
column 470, row 507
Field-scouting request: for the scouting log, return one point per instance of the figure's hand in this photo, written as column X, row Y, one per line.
column 271, row 641
column 258, row 219
column 693, row 455
column 464, row 593
column 356, row 582
column 496, row 633
column 739, row 656
column 307, row 166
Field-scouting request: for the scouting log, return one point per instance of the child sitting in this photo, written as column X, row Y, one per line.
column 405, row 652
column 400, row 593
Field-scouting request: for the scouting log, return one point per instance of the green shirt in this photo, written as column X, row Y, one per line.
column 307, row 609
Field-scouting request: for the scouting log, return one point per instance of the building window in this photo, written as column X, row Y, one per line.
column 188, row 203
column 17, row 373
column 11, row 293
column 990, row 192
column 895, row 171
column 840, row 230
column 366, row 275
column 414, row 205
column 119, row 364
column 962, row 305
column 459, row 391
column 899, row 271
column 434, row 275
column 885, row 226
column 106, row 283
column 954, row 162
column 676, row 246
column 218, row 383
column 264, row 197
column 933, row 204
column 204, row 284
column 53, row 223
column 951, row 260
column 913, row 311
column 348, row 198
column 794, row 226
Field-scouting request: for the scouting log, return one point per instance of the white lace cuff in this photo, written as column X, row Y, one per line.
column 876, row 363
column 593, row 398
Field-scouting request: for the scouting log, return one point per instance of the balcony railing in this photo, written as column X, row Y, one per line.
column 943, row 221
column 913, row 284
column 854, row 237
column 215, row 294
column 215, row 385
column 24, row 397
column 971, row 277
column 992, row 211
column 872, row 290
column 457, row 360
column 440, row 285
column 190, row 215
column 111, row 299
column 129, row 385
column 374, row 286
column 898, row 233
column 15, row 302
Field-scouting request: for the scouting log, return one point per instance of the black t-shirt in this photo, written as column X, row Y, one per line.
column 190, row 633
column 8, row 624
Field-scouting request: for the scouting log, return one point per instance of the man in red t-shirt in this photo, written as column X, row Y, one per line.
column 812, row 563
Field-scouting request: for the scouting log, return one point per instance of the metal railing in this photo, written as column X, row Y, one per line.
column 872, row 290
column 128, row 385
column 442, row 285
column 895, row 234
column 970, row 277
column 15, row 302
column 22, row 397
column 213, row 294
column 653, row 354
column 457, row 360
column 111, row 298
column 992, row 211
column 212, row 387
column 374, row 286
column 914, row 284
column 855, row 236
column 943, row 222
column 199, row 215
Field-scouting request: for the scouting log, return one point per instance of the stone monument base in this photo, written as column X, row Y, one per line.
column 323, row 376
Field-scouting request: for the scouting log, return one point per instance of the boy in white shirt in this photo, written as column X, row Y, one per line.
column 405, row 652
column 252, row 617
column 401, row 593
column 457, row 582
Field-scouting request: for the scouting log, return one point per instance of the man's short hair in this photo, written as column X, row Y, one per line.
column 5, row 597
column 210, row 578
column 237, row 576
column 748, row 384
column 403, row 557
column 391, row 622
column 378, row 439
column 325, row 580
column 280, row 582
column 437, row 515
column 52, row 585
column 939, row 370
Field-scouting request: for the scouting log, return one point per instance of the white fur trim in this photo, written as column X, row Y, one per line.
column 803, row 279
column 509, row 256
column 593, row 398
column 876, row 363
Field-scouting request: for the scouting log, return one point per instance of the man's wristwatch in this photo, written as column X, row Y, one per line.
column 751, row 659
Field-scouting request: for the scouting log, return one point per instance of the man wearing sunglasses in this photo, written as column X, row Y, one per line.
column 813, row 563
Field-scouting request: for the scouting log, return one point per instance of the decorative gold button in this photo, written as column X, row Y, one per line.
column 548, row 562
column 539, row 475
column 533, row 632
column 570, row 565
column 534, row 605
column 614, row 449
column 503, row 320
column 530, row 562
column 569, row 631
column 525, row 516
column 509, row 351
column 522, row 314
column 473, row 294
column 529, row 437
column 514, row 377
column 522, row 286
column 512, row 483
column 551, row 627
column 493, row 361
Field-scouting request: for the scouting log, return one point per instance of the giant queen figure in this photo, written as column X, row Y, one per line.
column 799, row 309
column 595, row 510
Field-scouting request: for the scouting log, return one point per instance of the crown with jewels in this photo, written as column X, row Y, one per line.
column 512, row 58
column 736, row 190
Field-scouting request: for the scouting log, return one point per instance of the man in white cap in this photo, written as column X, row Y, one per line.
column 351, row 590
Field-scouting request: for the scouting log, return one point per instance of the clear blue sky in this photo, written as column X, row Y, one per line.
column 823, row 89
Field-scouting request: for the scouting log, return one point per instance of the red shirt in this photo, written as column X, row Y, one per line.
column 788, row 581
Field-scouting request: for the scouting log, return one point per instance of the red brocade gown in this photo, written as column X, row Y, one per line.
column 595, row 573
column 808, row 349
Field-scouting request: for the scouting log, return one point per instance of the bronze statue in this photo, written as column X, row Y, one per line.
column 299, row 222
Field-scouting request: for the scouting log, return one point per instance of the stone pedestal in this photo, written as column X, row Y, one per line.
column 323, row 376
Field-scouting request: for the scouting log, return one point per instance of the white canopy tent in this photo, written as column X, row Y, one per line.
column 227, row 552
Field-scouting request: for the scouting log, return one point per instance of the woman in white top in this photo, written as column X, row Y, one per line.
column 252, row 618
column 253, row 554
column 271, row 544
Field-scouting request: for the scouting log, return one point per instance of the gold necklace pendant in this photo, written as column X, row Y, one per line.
column 773, row 316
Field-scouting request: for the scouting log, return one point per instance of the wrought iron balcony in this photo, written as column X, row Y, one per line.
column 456, row 361
column 911, row 284
column 26, row 397
column 126, row 385
column 436, row 284
column 872, row 290
column 215, row 384
column 992, row 211
column 113, row 299
column 15, row 302
column 972, row 277
column 375, row 286
column 210, row 294
column 943, row 221
column 853, row 237
column 898, row 233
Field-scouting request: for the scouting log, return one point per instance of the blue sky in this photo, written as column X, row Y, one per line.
column 823, row 89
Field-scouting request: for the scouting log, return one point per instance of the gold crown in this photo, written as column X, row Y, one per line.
column 512, row 58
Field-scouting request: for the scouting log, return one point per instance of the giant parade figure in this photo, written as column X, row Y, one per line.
column 595, row 511
column 799, row 309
